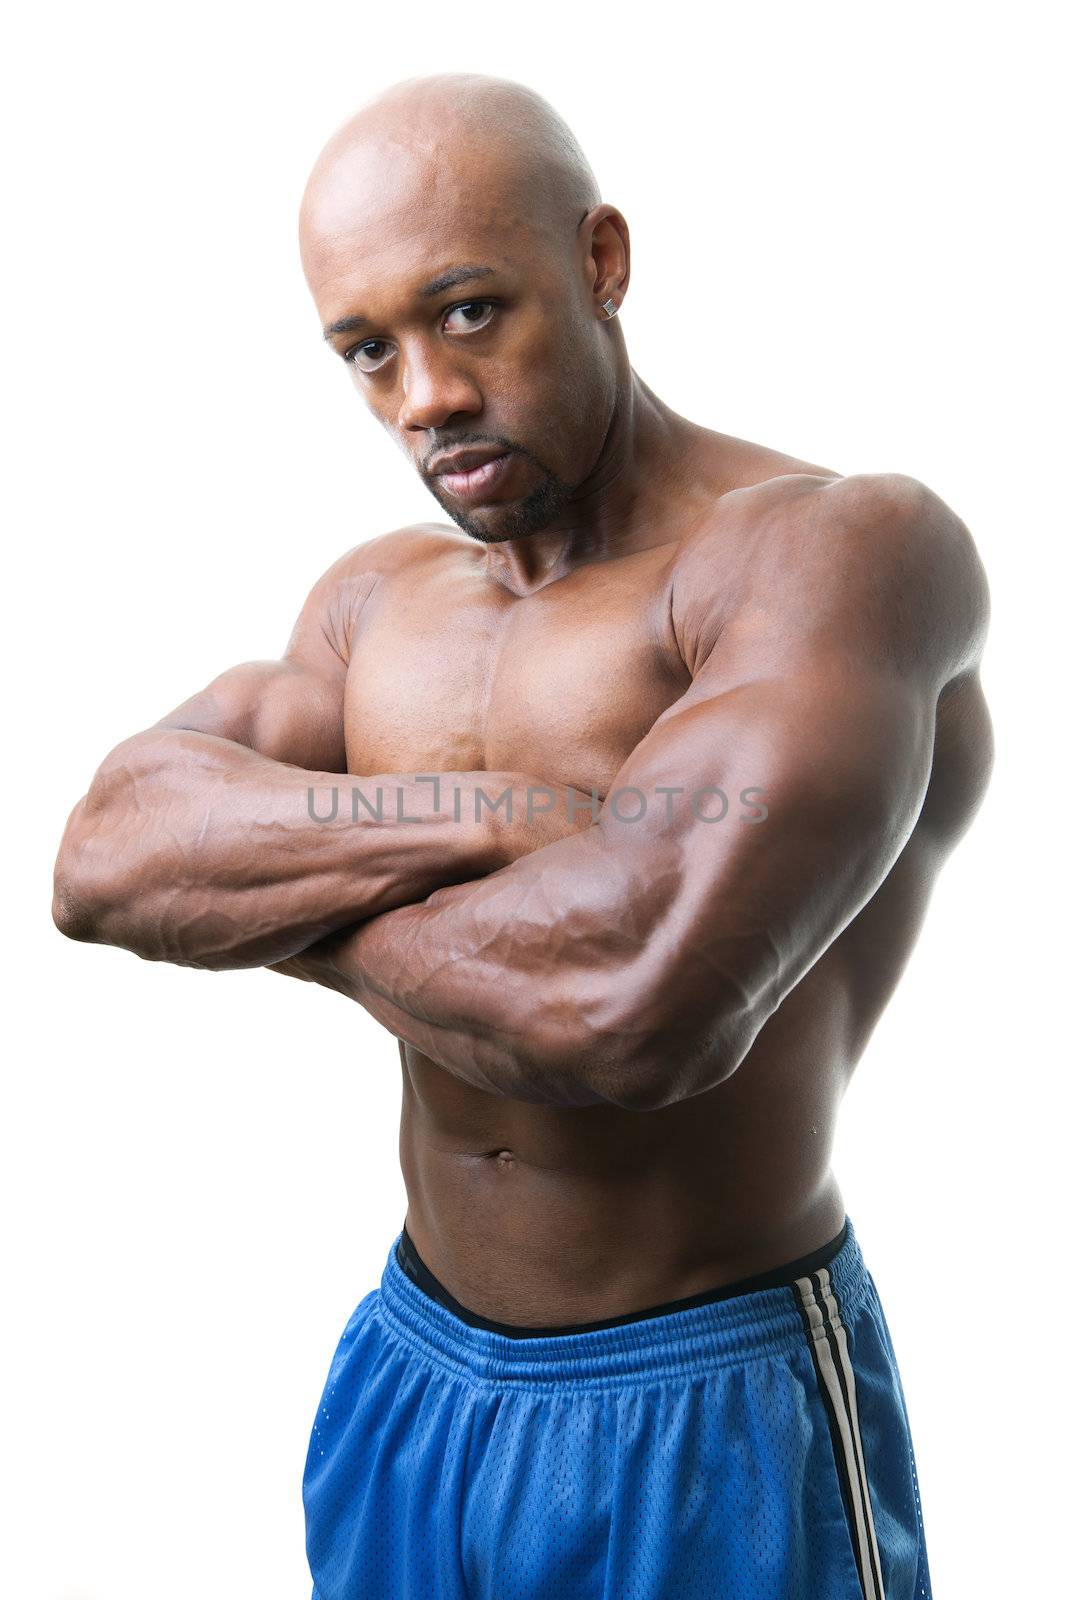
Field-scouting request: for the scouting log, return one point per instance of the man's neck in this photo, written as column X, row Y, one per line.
column 618, row 509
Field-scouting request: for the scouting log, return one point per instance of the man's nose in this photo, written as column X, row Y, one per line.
column 435, row 389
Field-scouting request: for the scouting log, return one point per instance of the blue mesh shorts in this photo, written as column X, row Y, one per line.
column 754, row 1448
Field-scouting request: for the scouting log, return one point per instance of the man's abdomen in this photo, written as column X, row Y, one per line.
column 528, row 1214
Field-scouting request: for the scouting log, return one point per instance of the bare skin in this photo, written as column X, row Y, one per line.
column 623, row 1043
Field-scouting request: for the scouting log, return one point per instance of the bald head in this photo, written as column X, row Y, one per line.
column 489, row 141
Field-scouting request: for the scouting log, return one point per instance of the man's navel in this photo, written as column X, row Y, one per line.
column 502, row 1158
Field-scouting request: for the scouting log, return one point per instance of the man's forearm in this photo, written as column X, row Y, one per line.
column 193, row 849
column 478, row 976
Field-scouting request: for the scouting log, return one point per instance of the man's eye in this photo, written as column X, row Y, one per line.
column 371, row 349
column 371, row 354
column 473, row 313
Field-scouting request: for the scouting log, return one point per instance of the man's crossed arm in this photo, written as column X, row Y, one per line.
column 552, row 960
column 196, row 845
column 635, row 962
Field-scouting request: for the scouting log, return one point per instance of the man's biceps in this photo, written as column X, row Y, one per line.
column 885, row 750
column 861, row 790
column 226, row 707
column 301, row 719
column 281, row 709
column 862, row 749
column 868, row 756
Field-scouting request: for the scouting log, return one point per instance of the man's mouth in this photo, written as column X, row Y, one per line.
column 476, row 482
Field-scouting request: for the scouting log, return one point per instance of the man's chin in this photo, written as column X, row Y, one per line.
column 495, row 530
column 516, row 519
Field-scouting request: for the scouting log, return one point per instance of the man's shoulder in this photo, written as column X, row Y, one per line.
column 399, row 549
column 338, row 598
column 883, row 542
column 811, row 506
column 875, row 553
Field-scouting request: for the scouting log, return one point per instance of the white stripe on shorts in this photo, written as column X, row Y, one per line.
column 829, row 1346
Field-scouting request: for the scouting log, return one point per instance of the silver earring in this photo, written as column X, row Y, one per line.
column 610, row 307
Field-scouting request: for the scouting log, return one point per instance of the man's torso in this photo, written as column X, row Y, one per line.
column 530, row 1214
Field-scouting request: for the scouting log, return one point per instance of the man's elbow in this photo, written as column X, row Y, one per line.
column 72, row 915
column 669, row 1072
column 91, row 890
column 649, row 1069
column 79, row 898
column 72, row 909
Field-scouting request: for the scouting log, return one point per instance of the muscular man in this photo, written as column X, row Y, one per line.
column 625, row 1344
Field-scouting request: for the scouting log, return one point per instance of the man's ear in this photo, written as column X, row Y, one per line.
column 606, row 257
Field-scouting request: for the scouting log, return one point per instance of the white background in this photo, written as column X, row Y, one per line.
column 842, row 247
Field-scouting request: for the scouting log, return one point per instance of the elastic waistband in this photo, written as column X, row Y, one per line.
column 675, row 1343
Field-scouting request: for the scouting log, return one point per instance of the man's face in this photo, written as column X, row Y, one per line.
column 465, row 326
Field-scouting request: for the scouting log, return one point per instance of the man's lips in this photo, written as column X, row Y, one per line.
column 464, row 460
column 477, row 481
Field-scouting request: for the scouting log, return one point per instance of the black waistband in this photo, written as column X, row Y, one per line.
column 775, row 1278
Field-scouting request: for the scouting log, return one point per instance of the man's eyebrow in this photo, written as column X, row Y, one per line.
column 443, row 281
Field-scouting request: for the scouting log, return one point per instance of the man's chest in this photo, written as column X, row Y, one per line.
column 450, row 672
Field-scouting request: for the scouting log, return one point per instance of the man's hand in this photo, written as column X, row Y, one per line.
column 555, row 814
column 542, row 814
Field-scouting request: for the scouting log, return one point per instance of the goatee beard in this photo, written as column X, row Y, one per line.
column 536, row 511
